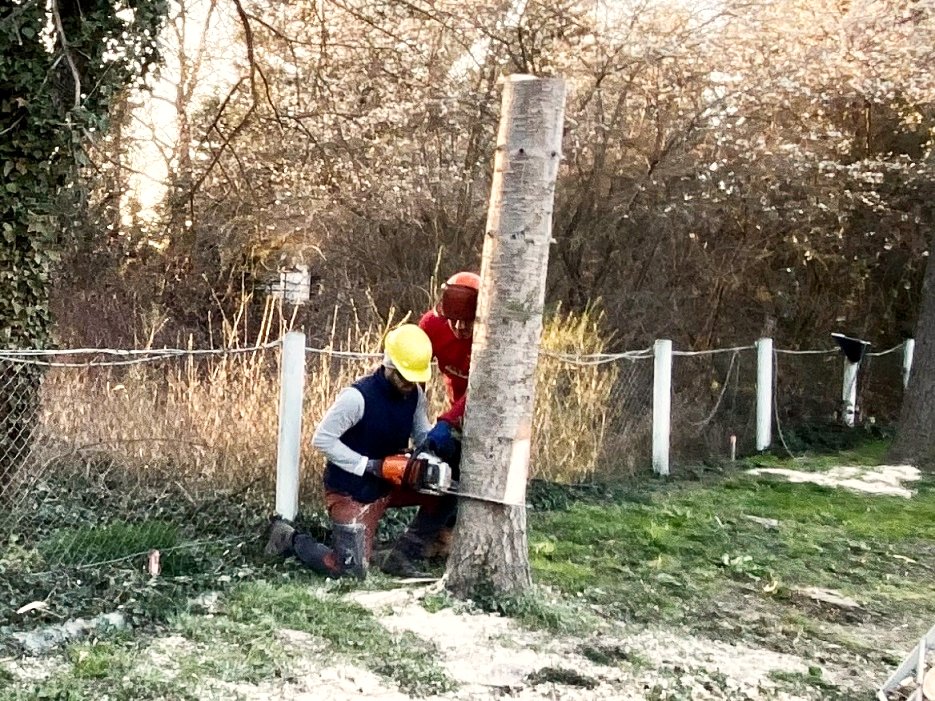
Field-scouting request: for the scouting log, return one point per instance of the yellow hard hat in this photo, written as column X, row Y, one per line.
column 410, row 351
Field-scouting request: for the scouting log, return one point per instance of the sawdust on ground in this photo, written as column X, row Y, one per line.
column 493, row 657
column 883, row 480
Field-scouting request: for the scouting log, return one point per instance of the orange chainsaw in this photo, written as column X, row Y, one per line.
column 420, row 470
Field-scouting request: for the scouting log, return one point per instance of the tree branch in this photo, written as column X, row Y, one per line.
column 60, row 29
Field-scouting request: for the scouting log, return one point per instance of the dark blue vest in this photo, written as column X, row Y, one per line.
column 384, row 430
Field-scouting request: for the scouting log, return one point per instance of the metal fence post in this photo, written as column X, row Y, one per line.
column 662, row 404
column 291, row 392
column 908, row 349
column 764, row 393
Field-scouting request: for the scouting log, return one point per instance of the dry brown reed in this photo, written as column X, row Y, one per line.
column 573, row 402
column 209, row 419
column 212, row 421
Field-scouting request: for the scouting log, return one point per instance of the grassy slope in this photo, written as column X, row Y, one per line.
column 684, row 554
column 687, row 553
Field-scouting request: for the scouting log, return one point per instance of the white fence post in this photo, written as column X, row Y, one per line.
column 764, row 393
column 849, row 391
column 291, row 392
column 908, row 349
column 662, row 404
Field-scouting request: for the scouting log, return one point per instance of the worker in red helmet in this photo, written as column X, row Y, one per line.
column 450, row 327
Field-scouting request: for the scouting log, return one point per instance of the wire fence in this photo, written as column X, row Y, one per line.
column 107, row 456
column 713, row 405
column 103, row 455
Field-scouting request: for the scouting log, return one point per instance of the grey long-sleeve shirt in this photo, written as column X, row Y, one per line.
column 346, row 411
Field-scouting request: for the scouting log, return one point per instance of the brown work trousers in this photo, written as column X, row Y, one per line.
column 434, row 512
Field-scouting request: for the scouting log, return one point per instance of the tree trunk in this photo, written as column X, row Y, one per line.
column 915, row 438
column 490, row 555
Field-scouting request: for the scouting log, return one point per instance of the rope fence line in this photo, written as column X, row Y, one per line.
column 161, row 352
column 888, row 350
column 135, row 356
column 784, row 351
column 100, row 466
column 353, row 355
column 713, row 351
column 132, row 356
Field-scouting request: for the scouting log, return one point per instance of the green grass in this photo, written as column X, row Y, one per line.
column 865, row 450
column 103, row 543
column 231, row 651
column 814, row 679
column 542, row 609
column 6, row 678
column 101, row 670
column 561, row 675
column 98, row 660
column 604, row 654
column 678, row 549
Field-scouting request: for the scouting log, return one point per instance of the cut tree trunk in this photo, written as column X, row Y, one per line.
column 490, row 554
column 915, row 437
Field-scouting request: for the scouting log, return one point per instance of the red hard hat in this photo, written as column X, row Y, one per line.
column 465, row 279
column 459, row 297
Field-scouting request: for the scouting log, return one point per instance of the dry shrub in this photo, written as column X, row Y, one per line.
column 191, row 419
column 211, row 421
column 573, row 402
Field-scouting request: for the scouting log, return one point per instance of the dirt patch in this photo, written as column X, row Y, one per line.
column 490, row 656
column 314, row 680
column 31, row 669
column 165, row 655
column 884, row 480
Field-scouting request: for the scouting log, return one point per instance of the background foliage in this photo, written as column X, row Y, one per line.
column 730, row 171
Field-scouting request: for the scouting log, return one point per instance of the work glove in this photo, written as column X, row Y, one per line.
column 441, row 441
column 400, row 470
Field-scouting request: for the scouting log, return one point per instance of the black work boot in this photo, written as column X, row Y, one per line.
column 405, row 558
column 317, row 556
column 280, row 537
column 349, row 548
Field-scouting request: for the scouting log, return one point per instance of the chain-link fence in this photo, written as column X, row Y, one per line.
column 713, row 405
column 808, row 387
column 106, row 457
column 809, row 394
column 593, row 417
column 880, row 382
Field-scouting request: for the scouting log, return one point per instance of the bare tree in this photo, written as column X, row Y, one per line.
column 490, row 550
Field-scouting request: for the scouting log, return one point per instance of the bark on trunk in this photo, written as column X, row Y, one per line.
column 490, row 554
column 915, row 437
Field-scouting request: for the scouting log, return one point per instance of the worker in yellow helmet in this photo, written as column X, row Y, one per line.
column 363, row 436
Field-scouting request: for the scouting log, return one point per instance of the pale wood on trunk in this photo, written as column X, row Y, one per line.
column 490, row 552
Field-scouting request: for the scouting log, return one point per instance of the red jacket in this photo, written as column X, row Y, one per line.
column 454, row 360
